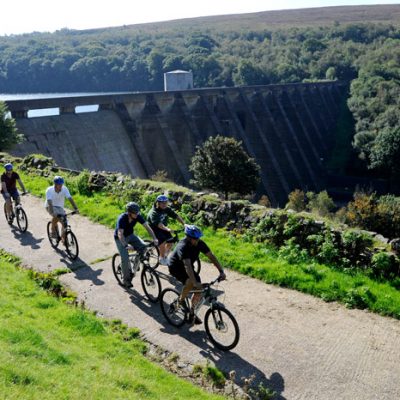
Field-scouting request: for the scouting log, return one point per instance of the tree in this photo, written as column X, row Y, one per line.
column 222, row 164
column 8, row 131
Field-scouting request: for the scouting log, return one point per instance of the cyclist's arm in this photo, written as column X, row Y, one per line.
column 21, row 184
column 163, row 227
column 50, row 205
column 189, row 270
column 121, row 237
column 73, row 204
column 150, row 231
column 210, row 255
column 179, row 218
column 4, row 188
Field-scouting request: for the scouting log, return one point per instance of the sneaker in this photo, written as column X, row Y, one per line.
column 194, row 319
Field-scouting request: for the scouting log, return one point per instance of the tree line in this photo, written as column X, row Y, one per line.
column 126, row 59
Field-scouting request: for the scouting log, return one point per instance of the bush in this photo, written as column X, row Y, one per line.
column 384, row 265
column 297, row 201
column 320, row 203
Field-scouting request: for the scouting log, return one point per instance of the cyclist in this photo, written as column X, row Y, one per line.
column 125, row 239
column 181, row 261
column 9, row 189
column 55, row 197
column 158, row 221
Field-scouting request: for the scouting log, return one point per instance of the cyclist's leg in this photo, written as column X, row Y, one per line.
column 16, row 197
column 8, row 203
column 138, row 244
column 126, row 272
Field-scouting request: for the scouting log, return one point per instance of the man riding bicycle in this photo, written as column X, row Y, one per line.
column 181, row 261
column 158, row 221
column 55, row 197
column 125, row 239
column 9, row 189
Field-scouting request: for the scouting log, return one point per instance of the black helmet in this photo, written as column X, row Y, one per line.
column 132, row 207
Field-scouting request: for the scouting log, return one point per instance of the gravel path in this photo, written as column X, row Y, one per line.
column 298, row 345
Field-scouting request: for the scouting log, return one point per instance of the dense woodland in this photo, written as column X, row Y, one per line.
column 220, row 51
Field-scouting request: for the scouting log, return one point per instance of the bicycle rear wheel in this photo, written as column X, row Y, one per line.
column 221, row 328
column 22, row 219
column 151, row 284
column 54, row 241
column 175, row 314
column 71, row 245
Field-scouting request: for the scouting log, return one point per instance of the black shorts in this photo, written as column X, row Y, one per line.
column 161, row 234
column 181, row 275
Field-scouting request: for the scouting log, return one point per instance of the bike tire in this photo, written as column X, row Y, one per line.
column 151, row 284
column 152, row 255
column 117, row 269
column 175, row 316
column 71, row 245
column 5, row 212
column 22, row 219
column 197, row 266
column 53, row 241
column 216, row 322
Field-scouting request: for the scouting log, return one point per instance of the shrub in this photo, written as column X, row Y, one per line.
column 297, row 201
column 160, row 176
column 384, row 265
column 320, row 203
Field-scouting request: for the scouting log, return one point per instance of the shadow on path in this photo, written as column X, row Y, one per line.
column 225, row 361
column 26, row 238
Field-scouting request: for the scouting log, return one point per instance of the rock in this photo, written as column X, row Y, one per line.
column 395, row 245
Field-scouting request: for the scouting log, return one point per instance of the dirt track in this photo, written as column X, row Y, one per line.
column 297, row 345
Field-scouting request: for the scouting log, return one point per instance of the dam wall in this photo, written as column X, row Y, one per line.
column 289, row 129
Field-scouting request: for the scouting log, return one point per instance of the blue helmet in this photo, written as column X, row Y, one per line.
column 8, row 167
column 132, row 207
column 162, row 197
column 193, row 231
column 58, row 180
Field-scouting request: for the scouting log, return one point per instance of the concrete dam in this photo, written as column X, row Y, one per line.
column 289, row 129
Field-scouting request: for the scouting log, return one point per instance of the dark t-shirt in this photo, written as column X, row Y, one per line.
column 158, row 215
column 185, row 250
column 123, row 223
column 11, row 182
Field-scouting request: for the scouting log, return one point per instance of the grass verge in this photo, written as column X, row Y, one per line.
column 49, row 350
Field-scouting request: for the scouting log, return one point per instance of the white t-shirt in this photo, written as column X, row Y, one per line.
column 57, row 198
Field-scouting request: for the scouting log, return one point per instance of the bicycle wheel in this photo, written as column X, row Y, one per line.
column 221, row 328
column 53, row 240
column 151, row 284
column 174, row 314
column 5, row 212
column 71, row 245
column 152, row 256
column 197, row 266
column 22, row 219
column 117, row 269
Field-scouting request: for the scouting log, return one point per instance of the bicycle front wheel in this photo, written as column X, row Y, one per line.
column 152, row 255
column 71, row 245
column 117, row 269
column 169, row 301
column 151, row 284
column 221, row 328
column 53, row 240
column 22, row 219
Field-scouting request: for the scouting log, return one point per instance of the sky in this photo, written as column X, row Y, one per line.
column 24, row 16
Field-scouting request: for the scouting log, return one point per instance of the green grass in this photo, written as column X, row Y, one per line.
column 49, row 350
column 261, row 261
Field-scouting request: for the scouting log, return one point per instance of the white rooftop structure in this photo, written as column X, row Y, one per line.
column 178, row 80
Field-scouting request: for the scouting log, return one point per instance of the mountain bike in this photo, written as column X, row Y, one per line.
column 71, row 243
column 219, row 323
column 19, row 213
column 149, row 278
column 175, row 239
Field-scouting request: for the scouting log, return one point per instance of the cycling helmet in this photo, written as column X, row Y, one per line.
column 8, row 167
column 132, row 207
column 58, row 180
column 193, row 231
column 162, row 198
